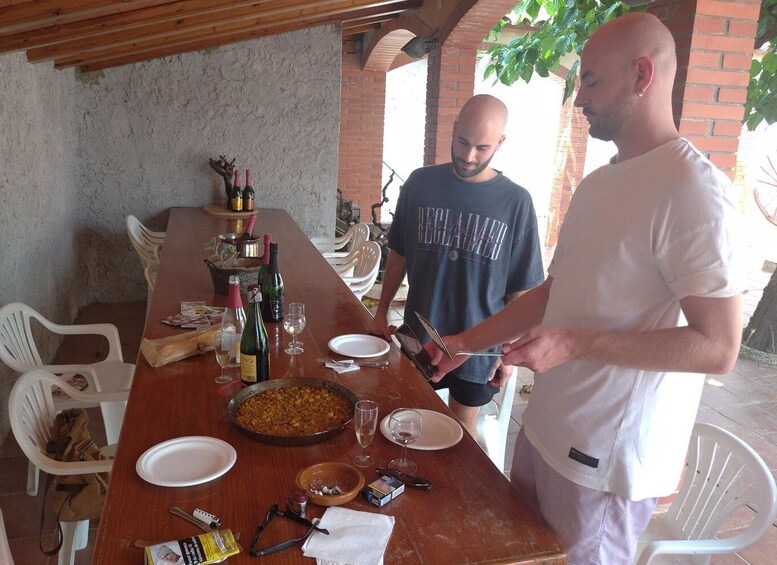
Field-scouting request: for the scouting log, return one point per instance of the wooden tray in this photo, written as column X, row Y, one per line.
column 221, row 211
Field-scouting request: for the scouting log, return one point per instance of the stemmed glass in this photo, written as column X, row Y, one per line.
column 294, row 323
column 365, row 420
column 405, row 428
column 224, row 345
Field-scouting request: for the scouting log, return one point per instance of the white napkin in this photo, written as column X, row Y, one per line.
column 355, row 538
column 344, row 366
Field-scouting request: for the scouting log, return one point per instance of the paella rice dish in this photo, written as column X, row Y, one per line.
column 293, row 411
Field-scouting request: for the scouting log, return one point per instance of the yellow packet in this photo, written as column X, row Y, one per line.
column 212, row 547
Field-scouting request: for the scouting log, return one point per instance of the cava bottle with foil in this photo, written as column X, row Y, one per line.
column 237, row 194
column 272, row 289
column 265, row 260
column 234, row 316
column 254, row 345
column 249, row 197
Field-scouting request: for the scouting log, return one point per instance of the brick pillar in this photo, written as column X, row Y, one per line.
column 569, row 166
column 450, row 82
column 715, row 42
column 362, row 109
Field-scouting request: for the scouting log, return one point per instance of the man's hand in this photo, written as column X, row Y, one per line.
column 500, row 374
column 541, row 349
column 379, row 327
column 440, row 360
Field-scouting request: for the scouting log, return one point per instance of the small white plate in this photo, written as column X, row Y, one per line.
column 186, row 461
column 359, row 345
column 438, row 431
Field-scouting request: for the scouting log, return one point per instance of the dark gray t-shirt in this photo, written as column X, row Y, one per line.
column 467, row 245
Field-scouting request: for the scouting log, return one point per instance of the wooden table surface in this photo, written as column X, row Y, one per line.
column 471, row 515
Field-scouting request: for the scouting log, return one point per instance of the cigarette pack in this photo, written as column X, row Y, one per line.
column 213, row 547
column 383, row 490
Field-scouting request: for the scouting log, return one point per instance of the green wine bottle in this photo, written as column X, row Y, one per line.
column 254, row 345
column 272, row 289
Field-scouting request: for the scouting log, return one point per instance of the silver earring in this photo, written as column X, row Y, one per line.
column 640, row 93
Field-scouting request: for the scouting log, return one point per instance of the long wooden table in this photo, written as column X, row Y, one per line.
column 471, row 515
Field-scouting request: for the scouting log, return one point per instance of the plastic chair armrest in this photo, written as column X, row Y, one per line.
column 109, row 331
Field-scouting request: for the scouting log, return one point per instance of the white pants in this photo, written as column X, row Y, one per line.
column 594, row 527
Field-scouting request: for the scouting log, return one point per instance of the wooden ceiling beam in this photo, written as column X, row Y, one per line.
column 113, row 23
column 136, row 57
column 43, row 13
column 184, row 29
column 363, row 28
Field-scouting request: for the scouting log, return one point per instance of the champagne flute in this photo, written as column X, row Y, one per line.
column 294, row 323
column 405, row 428
column 224, row 345
column 365, row 420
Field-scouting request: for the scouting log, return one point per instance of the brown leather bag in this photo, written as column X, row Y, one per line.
column 73, row 497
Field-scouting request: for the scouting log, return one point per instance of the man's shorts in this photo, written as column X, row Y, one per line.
column 465, row 392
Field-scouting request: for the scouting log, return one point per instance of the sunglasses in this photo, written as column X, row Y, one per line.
column 272, row 513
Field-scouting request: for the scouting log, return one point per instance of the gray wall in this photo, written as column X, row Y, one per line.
column 39, row 216
column 80, row 151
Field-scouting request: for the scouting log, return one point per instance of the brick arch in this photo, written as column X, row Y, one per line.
column 388, row 41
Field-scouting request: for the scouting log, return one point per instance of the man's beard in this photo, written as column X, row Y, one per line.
column 610, row 122
column 471, row 173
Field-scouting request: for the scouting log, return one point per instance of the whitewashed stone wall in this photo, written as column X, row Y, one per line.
column 148, row 129
column 78, row 152
column 39, row 217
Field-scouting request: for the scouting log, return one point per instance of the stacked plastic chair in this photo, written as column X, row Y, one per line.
column 112, row 374
column 31, row 411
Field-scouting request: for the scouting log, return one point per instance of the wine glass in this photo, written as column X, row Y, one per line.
column 294, row 323
column 365, row 420
column 224, row 345
column 405, row 427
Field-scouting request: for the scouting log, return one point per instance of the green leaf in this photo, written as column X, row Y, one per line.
column 542, row 68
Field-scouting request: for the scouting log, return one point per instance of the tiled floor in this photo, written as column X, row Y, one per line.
column 743, row 402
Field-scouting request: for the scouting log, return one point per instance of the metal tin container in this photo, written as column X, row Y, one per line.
column 246, row 247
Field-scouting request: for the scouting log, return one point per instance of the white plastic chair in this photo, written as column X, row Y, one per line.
column 343, row 261
column 366, row 264
column 146, row 242
column 493, row 422
column 150, row 271
column 722, row 474
column 31, row 412
column 19, row 352
column 327, row 245
column 5, row 552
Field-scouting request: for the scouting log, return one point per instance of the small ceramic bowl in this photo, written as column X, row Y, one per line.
column 330, row 475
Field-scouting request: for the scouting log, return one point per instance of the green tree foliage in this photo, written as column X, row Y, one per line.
column 761, row 105
column 559, row 27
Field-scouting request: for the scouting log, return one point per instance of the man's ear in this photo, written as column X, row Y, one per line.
column 500, row 142
column 645, row 72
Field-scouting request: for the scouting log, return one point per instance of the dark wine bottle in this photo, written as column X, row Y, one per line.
column 272, row 289
column 249, row 197
column 249, row 231
column 265, row 259
column 237, row 194
column 254, row 345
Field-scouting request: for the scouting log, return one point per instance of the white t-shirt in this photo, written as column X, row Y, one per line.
column 639, row 236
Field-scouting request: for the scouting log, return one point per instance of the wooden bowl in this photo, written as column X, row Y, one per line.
column 331, row 474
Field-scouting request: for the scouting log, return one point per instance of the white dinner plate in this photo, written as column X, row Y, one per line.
column 186, row 461
column 438, row 431
column 359, row 345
